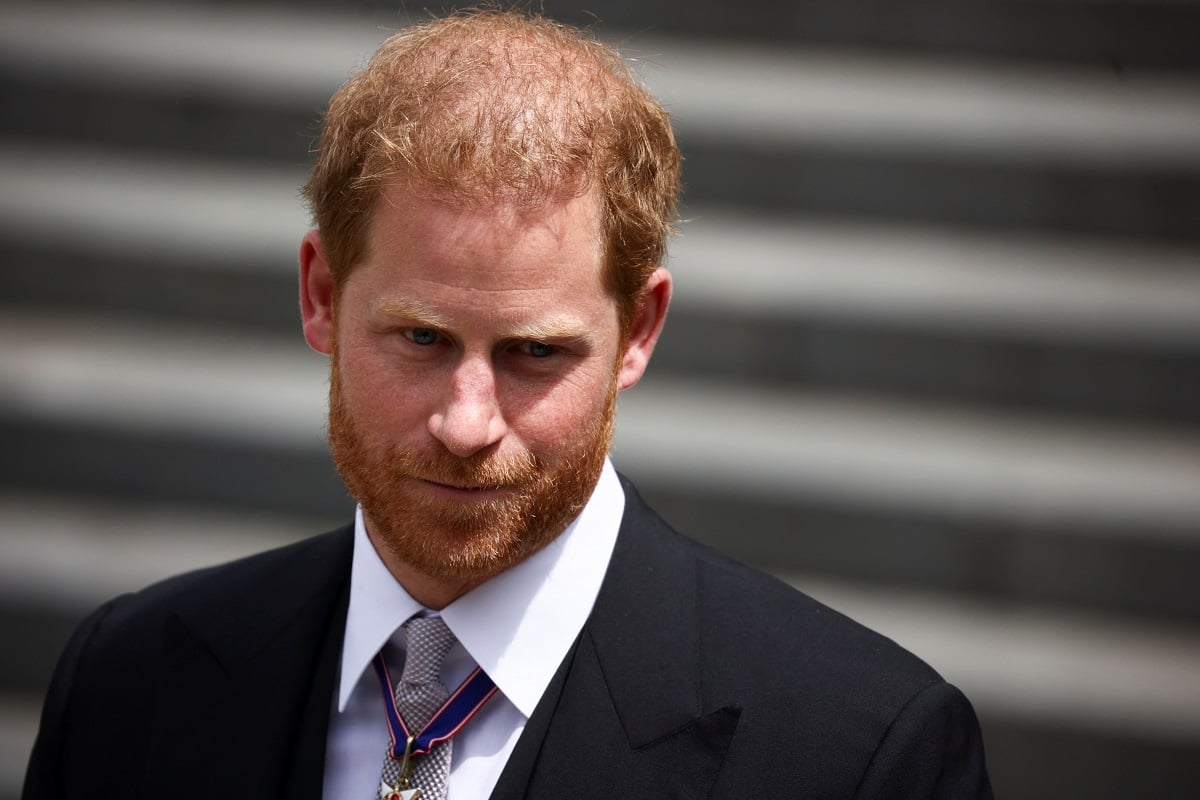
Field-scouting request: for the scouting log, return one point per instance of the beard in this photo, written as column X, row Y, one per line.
column 474, row 539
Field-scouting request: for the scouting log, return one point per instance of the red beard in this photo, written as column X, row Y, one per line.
column 473, row 539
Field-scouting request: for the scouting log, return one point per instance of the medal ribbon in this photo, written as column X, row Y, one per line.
column 459, row 709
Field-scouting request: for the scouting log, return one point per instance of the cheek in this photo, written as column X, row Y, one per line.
column 557, row 419
column 380, row 398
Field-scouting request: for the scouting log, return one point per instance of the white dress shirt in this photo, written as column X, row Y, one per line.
column 518, row 627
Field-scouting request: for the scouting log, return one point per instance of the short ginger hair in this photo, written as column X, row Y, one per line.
column 501, row 106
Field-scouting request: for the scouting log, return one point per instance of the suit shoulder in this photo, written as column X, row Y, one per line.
column 744, row 602
column 745, row 611
column 103, row 702
column 779, row 655
column 228, row 591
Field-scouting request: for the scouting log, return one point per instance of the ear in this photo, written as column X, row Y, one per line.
column 647, row 325
column 316, row 294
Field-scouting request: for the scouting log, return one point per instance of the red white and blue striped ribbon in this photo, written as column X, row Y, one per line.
column 459, row 709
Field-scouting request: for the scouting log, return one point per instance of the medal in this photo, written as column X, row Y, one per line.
column 389, row 793
column 401, row 791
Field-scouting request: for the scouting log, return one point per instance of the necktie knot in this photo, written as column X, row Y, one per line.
column 429, row 640
column 420, row 691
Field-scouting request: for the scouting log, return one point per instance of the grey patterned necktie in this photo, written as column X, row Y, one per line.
column 419, row 693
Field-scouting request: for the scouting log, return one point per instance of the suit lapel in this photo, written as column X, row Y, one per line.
column 247, row 704
column 626, row 713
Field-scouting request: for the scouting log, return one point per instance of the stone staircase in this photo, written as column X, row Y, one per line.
column 934, row 356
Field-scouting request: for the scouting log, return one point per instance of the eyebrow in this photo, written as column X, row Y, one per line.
column 413, row 310
column 561, row 326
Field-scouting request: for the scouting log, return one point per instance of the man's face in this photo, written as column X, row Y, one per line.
column 476, row 360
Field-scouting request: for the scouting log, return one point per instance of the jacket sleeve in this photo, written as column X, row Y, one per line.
column 933, row 750
column 47, row 763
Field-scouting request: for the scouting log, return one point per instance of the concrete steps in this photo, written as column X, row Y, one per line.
column 934, row 356
column 827, row 133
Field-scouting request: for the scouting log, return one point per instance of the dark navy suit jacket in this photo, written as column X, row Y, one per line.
column 693, row 677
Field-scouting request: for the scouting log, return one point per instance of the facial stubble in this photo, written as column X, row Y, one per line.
column 476, row 539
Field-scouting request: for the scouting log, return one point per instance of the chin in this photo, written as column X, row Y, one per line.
column 465, row 543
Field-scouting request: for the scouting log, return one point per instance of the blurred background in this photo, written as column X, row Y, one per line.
column 934, row 356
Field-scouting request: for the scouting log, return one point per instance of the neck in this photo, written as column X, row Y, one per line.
column 432, row 593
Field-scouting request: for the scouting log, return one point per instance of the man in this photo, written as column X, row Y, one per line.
column 493, row 195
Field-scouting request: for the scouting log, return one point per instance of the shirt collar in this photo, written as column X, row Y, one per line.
column 378, row 606
column 518, row 626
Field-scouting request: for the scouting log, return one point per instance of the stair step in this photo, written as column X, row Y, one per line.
column 1127, row 35
column 1077, row 289
column 76, row 553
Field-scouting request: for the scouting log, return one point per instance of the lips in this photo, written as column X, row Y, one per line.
column 466, row 488
column 480, row 491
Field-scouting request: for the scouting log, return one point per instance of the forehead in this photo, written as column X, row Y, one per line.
column 488, row 241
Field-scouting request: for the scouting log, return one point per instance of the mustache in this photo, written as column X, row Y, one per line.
column 481, row 471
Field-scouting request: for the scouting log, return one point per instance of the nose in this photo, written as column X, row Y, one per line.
column 468, row 419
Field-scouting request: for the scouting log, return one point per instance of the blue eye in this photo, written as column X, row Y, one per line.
column 423, row 336
column 541, row 349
